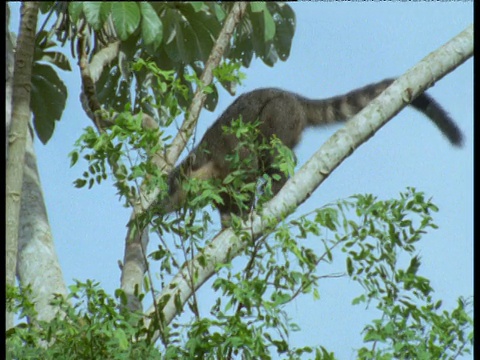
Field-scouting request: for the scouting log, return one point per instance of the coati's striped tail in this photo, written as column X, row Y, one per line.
column 343, row 107
column 428, row 106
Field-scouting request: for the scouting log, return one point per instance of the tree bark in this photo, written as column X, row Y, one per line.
column 37, row 260
column 17, row 135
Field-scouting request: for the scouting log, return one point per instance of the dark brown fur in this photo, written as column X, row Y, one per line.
column 286, row 115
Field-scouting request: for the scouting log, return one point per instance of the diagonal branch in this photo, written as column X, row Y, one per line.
column 357, row 131
column 193, row 112
column 136, row 240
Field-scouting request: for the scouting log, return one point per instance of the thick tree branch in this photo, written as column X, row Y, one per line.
column 17, row 135
column 357, row 131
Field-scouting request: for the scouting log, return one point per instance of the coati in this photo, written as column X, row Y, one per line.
column 285, row 115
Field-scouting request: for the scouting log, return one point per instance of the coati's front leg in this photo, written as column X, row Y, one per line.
column 237, row 196
column 231, row 206
column 231, row 203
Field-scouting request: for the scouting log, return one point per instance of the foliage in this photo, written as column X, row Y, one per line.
column 248, row 318
column 410, row 326
column 49, row 93
column 129, row 142
column 177, row 36
column 185, row 32
column 92, row 328
column 114, row 148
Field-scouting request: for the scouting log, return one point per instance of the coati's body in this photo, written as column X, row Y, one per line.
column 285, row 115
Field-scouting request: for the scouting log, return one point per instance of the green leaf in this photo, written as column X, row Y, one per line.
column 359, row 299
column 79, row 183
column 73, row 158
column 126, row 18
column 175, row 38
column 284, row 29
column 152, row 27
column 95, row 13
column 257, row 6
column 262, row 23
column 123, row 341
column 75, row 9
column 269, row 26
column 218, row 10
column 198, row 5
column 203, row 29
column 349, row 266
column 49, row 96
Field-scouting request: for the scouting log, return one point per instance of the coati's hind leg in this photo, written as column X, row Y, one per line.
column 277, row 184
column 282, row 117
column 230, row 207
column 237, row 195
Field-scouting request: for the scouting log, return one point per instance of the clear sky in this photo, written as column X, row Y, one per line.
column 338, row 46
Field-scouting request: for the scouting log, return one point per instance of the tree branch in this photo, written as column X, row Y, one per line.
column 178, row 144
column 135, row 247
column 358, row 130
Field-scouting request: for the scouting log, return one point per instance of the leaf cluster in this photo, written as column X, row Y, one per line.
column 94, row 327
column 128, row 146
column 127, row 149
column 381, row 257
column 176, row 36
column 249, row 316
column 49, row 93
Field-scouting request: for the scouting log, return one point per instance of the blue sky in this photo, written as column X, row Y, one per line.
column 338, row 46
